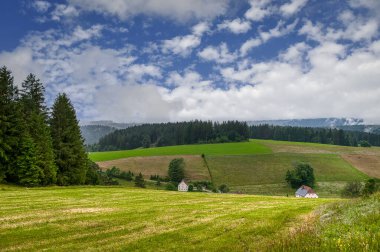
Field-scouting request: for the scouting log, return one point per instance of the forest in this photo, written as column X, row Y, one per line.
column 315, row 135
column 38, row 145
column 166, row 134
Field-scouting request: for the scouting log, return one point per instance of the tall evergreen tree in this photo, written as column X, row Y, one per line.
column 11, row 126
column 69, row 151
column 28, row 172
column 35, row 114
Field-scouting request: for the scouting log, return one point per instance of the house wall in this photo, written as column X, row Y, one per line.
column 311, row 195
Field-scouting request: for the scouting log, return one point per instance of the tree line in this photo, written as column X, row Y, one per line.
column 166, row 134
column 315, row 135
column 39, row 146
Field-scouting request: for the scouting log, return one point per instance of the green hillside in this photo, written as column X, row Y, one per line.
column 249, row 173
column 117, row 218
column 242, row 148
column 257, row 166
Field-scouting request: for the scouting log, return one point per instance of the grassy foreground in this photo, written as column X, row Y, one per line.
column 115, row 218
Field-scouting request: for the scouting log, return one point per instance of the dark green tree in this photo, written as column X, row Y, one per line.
column 69, row 151
column 369, row 187
column 224, row 188
column 93, row 173
column 176, row 170
column 302, row 174
column 28, row 172
column 139, row 181
column 12, row 127
column 352, row 189
column 35, row 114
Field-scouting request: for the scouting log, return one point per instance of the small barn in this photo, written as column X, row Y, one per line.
column 183, row 187
column 306, row 192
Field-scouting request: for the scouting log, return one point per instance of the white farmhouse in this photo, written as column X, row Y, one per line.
column 183, row 187
column 306, row 192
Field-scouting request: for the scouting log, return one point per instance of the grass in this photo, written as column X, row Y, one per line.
column 264, row 174
column 345, row 226
column 242, row 148
column 116, row 218
column 195, row 167
column 301, row 147
column 255, row 167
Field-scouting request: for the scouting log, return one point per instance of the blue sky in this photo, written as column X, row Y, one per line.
column 170, row 60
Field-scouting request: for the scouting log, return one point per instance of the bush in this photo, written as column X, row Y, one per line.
column 369, row 187
column 302, row 174
column 191, row 188
column 352, row 189
column 171, row 187
column 224, row 188
column 364, row 144
column 139, row 181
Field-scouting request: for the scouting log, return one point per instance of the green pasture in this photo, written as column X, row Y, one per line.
column 127, row 219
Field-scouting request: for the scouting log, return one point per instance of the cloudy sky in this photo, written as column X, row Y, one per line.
column 170, row 60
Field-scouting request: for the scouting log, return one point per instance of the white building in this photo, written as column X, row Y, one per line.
column 183, row 187
column 306, row 192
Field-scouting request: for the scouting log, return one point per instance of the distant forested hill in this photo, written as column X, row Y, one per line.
column 92, row 133
column 314, row 135
column 166, row 134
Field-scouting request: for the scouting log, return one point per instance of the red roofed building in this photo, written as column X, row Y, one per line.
column 306, row 192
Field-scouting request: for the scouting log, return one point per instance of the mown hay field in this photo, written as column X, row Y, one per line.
column 117, row 218
column 158, row 165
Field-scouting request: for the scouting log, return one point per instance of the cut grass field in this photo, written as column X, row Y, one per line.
column 242, row 148
column 116, row 218
column 248, row 174
column 158, row 165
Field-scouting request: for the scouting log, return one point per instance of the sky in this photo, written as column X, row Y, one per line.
column 170, row 60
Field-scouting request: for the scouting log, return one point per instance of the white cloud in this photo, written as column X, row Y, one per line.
column 292, row 7
column 62, row 11
column 278, row 31
column 189, row 79
column 248, row 45
column 41, row 6
column 201, row 28
column 174, row 9
column 181, row 45
column 259, row 10
column 236, row 26
column 220, row 54
column 184, row 45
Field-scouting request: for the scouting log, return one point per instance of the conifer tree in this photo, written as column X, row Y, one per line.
column 11, row 126
column 139, row 181
column 70, row 155
column 35, row 114
column 28, row 172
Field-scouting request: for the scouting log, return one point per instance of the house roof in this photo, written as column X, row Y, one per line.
column 183, row 181
column 303, row 190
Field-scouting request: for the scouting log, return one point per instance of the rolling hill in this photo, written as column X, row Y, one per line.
column 256, row 167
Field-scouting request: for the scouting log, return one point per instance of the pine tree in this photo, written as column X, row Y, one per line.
column 69, row 151
column 35, row 113
column 139, row 181
column 11, row 126
column 28, row 172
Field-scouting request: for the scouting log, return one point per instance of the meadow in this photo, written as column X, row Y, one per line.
column 255, row 167
column 242, row 148
column 128, row 219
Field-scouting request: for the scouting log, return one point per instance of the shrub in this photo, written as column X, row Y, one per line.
column 224, row 188
column 171, row 187
column 302, row 174
column 352, row 189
